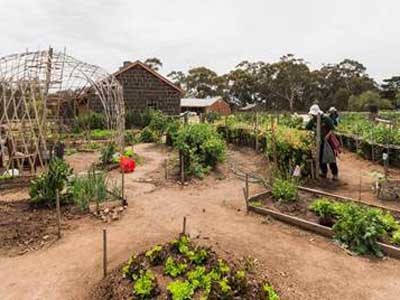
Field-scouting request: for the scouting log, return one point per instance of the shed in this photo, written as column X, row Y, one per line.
column 206, row 105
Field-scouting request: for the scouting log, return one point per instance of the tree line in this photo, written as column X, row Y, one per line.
column 290, row 84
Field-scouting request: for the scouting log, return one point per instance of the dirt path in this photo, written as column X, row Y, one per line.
column 301, row 265
column 352, row 168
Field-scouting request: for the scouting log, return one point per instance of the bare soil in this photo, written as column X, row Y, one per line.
column 301, row 265
column 24, row 229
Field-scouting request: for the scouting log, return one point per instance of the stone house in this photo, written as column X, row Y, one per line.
column 203, row 106
column 144, row 88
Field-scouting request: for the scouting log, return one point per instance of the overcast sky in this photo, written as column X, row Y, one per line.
column 214, row 33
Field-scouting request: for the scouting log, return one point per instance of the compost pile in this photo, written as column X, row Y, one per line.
column 180, row 270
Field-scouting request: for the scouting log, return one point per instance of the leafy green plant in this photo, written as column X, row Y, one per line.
column 174, row 268
column 284, row 190
column 360, row 229
column 199, row 278
column 145, row 285
column 100, row 134
column 156, row 255
column 180, row 290
column 43, row 189
column 148, row 135
column 202, row 148
column 270, row 292
column 396, row 237
column 323, row 208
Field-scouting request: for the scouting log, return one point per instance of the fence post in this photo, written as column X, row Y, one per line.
column 166, row 168
column 184, row 226
column 58, row 208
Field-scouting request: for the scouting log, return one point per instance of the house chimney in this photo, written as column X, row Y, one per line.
column 126, row 63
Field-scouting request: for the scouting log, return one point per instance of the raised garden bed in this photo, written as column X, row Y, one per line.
column 181, row 270
column 298, row 213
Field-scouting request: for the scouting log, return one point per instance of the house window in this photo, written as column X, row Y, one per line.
column 152, row 104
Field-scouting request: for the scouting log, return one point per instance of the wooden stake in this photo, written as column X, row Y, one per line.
column 184, row 226
column 124, row 201
column 58, row 208
column 104, row 252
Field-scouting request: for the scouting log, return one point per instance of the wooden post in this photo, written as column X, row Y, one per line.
column 104, row 252
column 184, row 226
column 166, row 168
column 58, row 208
column 318, row 143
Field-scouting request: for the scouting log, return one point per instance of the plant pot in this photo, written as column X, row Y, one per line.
column 326, row 221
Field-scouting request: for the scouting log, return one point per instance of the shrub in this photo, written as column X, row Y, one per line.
column 212, row 116
column 366, row 99
column 148, row 135
column 44, row 188
column 202, row 148
column 284, row 190
column 180, row 290
column 100, row 134
column 359, row 229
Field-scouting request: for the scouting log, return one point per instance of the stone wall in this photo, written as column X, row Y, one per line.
column 143, row 90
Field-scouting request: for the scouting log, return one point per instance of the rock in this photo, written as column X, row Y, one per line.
column 106, row 210
column 115, row 217
column 46, row 237
column 120, row 209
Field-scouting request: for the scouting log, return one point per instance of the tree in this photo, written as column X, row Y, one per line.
column 366, row 99
column 153, row 63
column 178, row 78
column 288, row 80
column 391, row 88
column 202, row 82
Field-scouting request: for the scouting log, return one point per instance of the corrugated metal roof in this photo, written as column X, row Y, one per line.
column 198, row 102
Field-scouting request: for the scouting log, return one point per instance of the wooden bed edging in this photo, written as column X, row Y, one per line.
column 388, row 250
column 16, row 182
column 322, row 193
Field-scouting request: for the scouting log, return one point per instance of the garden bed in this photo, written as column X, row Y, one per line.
column 14, row 182
column 24, row 228
column 181, row 270
column 298, row 213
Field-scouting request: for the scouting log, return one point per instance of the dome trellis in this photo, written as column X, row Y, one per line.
column 34, row 89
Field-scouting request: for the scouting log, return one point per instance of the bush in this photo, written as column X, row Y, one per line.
column 43, row 189
column 367, row 99
column 396, row 237
column 360, row 228
column 202, row 148
column 107, row 154
column 284, row 190
column 149, row 135
column 212, row 116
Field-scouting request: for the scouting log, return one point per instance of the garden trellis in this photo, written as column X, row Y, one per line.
column 40, row 94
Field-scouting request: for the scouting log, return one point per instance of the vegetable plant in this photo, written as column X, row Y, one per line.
column 180, row 290
column 44, row 188
column 174, row 268
column 396, row 237
column 284, row 190
column 145, row 285
column 270, row 292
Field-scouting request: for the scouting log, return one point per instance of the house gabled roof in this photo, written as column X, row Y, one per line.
column 198, row 102
column 154, row 73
